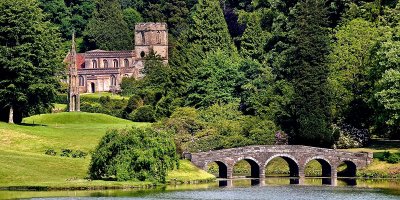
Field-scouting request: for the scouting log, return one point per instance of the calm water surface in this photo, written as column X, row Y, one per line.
column 270, row 188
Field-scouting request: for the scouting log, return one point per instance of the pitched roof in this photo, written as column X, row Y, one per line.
column 80, row 60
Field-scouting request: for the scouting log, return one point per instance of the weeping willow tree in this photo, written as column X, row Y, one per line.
column 134, row 154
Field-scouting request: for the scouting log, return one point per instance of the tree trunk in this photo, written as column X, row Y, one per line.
column 11, row 116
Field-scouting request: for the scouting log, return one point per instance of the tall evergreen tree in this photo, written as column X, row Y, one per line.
column 254, row 38
column 309, row 72
column 207, row 32
column 30, row 59
column 107, row 29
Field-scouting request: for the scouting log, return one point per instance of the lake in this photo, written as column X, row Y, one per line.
column 270, row 188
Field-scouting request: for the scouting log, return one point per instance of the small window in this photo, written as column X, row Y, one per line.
column 105, row 62
column 142, row 54
column 115, row 63
column 94, row 63
column 126, row 63
column 158, row 37
column 143, row 39
column 81, row 81
column 113, row 81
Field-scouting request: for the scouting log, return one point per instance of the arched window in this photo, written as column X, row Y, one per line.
column 94, row 63
column 142, row 54
column 115, row 63
column 81, row 81
column 126, row 63
column 105, row 62
column 113, row 81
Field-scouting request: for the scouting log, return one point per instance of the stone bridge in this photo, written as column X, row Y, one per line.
column 296, row 156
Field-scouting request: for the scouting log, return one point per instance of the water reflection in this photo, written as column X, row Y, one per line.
column 274, row 181
column 238, row 187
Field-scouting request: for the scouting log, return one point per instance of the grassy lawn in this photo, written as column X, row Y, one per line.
column 378, row 168
column 103, row 94
column 23, row 161
column 187, row 172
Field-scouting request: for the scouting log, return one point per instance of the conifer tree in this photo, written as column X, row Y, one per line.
column 308, row 66
column 107, row 29
column 207, row 32
column 254, row 38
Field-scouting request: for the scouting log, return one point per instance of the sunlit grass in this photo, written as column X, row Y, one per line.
column 103, row 94
column 188, row 172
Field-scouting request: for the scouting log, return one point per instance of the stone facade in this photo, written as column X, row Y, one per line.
column 296, row 156
column 100, row 70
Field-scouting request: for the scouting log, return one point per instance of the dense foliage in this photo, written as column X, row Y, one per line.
column 217, row 127
column 134, row 154
column 30, row 60
column 321, row 71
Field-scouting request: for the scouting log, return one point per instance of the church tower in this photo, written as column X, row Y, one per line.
column 151, row 36
column 73, row 81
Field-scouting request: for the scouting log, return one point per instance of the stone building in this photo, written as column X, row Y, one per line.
column 101, row 70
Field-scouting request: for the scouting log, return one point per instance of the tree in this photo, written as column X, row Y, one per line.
column 384, row 74
column 81, row 12
column 217, row 80
column 30, row 59
column 387, row 95
column 131, row 17
column 59, row 14
column 310, row 116
column 254, row 38
column 263, row 95
column 134, row 154
column 107, row 29
column 207, row 31
column 349, row 70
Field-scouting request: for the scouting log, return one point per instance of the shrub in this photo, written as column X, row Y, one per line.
column 134, row 154
column 66, row 152
column 50, row 152
column 350, row 137
column 393, row 158
column 143, row 114
column 79, row 154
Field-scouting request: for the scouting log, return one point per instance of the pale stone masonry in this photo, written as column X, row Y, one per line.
column 296, row 156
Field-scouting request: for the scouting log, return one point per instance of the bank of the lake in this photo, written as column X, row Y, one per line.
column 24, row 164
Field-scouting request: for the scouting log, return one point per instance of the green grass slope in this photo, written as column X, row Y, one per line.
column 74, row 118
column 23, row 161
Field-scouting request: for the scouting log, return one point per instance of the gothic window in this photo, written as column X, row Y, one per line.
column 81, row 81
column 115, row 63
column 94, row 63
column 113, row 81
column 158, row 37
column 142, row 54
column 126, row 63
column 105, row 62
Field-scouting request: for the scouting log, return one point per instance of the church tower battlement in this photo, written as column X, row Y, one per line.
column 151, row 36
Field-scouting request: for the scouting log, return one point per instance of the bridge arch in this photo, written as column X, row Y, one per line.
column 254, row 165
column 222, row 168
column 350, row 171
column 325, row 165
column 294, row 166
